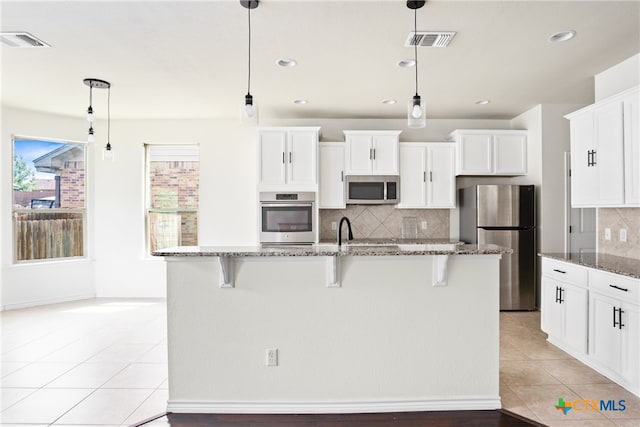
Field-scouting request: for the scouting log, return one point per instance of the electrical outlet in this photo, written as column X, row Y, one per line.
column 272, row 357
column 607, row 234
column 334, row 225
column 623, row 234
column 424, row 225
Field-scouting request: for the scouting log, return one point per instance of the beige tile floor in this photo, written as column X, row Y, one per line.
column 104, row 362
column 534, row 374
column 92, row 362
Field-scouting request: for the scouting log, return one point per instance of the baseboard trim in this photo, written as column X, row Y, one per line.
column 346, row 407
column 46, row 301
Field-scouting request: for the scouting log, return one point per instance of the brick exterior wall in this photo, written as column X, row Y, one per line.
column 72, row 185
column 175, row 185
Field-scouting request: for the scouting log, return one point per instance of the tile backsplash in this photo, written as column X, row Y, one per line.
column 384, row 221
column 616, row 219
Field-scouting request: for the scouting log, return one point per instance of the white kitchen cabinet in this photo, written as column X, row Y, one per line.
column 564, row 313
column 287, row 157
column 490, row 152
column 331, row 185
column 371, row 152
column 614, row 327
column 605, row 152
column 427, row 175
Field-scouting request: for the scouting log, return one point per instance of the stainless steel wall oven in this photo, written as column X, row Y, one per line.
column 287, row 217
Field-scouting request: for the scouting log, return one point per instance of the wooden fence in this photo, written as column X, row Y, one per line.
column 48, row 235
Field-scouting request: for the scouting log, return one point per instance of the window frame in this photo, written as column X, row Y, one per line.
column 83, row 211
column 147, row 210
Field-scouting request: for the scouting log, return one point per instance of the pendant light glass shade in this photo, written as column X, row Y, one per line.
column 107, row 152
column 416, row 117
column 249, row 111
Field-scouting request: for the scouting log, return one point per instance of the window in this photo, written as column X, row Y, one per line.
column 172, row 177
column 49, row 188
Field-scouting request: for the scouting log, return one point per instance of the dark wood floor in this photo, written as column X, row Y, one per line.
column 400, row 419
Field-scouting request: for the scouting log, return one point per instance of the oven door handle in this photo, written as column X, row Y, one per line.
column 286, row 205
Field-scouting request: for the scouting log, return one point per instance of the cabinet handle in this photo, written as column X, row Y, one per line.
column 591, row 158
column 370, row 154
column 619, row 288
column 342, row 176
column 557, row 294
column 289, row 156
column 617, row 322
column 283, row 157
column 424, row 176
column 559, row 271
column 561, row 295
column 374, row 154
column 430, row 176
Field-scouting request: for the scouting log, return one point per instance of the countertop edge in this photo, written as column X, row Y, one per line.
column 598, row 265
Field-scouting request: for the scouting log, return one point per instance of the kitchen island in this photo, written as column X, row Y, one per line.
column 363, row 328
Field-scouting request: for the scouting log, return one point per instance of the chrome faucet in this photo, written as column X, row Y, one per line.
column 344, row 218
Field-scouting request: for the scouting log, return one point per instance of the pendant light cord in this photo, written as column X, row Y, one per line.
column 109, row 116
column 415, row 45
column 249, row 74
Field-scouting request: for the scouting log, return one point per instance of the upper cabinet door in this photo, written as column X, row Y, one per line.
column 371, row 152
column 359, row 155
column 608, row 157
column 584, row 177
column 413, row 170
column 385, row 154
column 440, row 176
column 272, row 157
column 510, row 154
column 301, row 158
column 475, row 154
column 331, row 182
column 632, row 148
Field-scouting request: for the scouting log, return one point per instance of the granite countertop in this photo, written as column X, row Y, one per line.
column 611, row 263
column 332, row 249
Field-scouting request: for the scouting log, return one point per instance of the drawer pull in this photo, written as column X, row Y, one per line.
column 619, row 288
column 559, row 271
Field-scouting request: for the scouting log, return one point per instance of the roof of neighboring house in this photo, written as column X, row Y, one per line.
column 54, row 160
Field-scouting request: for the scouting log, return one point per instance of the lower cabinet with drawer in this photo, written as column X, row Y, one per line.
column 594, row 316
column 564, row 309
column 614, row 328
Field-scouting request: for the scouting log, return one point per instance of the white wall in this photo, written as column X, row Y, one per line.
column 621, row 76
column 39, row 283
column 117, row 265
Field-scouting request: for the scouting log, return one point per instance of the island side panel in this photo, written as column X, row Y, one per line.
column 386, row 335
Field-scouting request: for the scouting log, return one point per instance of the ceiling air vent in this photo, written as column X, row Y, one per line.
column 21, row 39
column 429, row 38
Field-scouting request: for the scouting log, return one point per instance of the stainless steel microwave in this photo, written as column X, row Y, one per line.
column 372, row 189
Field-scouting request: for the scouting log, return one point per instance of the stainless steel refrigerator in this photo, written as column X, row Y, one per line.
column 505, row 215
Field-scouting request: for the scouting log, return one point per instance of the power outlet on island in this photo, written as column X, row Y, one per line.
column 334, row 225
column 272, row 357
column 623, row 234
column 424, row 225
column 607, row 234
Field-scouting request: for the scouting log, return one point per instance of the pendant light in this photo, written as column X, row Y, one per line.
column 416, row 115
column 249, row 112
column 107, row 152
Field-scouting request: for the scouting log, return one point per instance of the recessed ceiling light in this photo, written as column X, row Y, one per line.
column 407, row 63
column 300, row 101
column 483, row 102
column 562, row 36
column 287, row 62
column 388, row 101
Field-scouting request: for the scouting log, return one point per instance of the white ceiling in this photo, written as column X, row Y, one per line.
column 182, row 59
